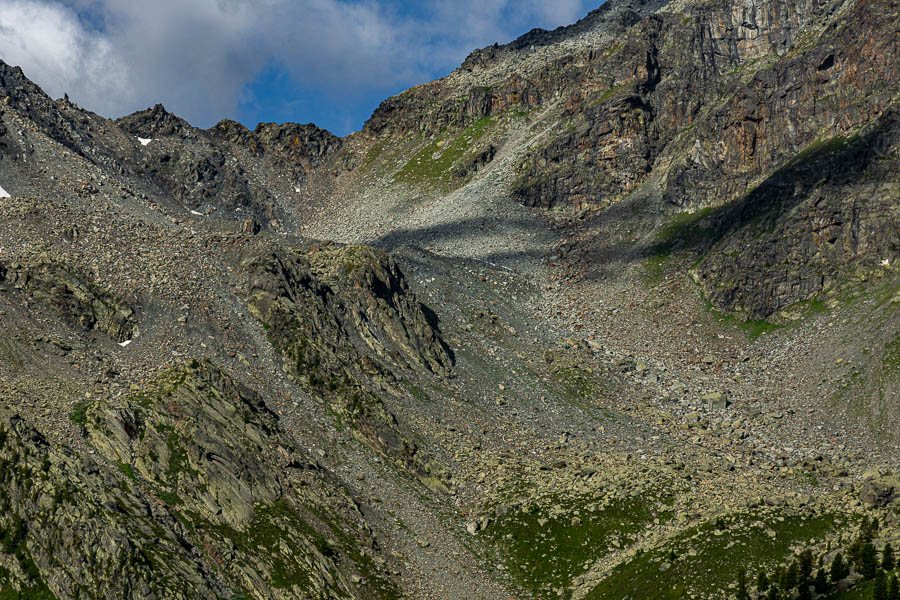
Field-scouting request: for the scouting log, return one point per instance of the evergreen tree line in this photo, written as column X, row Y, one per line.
column 862, row 556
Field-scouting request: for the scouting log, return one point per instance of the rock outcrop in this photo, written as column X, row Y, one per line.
column 342, row 316
column 828, row 216
column 210, row 452
column 73, row 297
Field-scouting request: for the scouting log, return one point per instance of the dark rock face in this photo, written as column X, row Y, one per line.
column 638, row 103
column 834, row 86
column 23, row 96
column 814, row 223
column 74, row 298
column 305, row 145
column 156, row 122
column 204, row 179
column 340, row 316
column 300, row 147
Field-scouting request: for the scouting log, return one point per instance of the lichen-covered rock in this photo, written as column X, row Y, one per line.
column 342, row 317
column 72, row 296
column 881, row 491
column 208, row 450
column 74, row 528
column 199, row 436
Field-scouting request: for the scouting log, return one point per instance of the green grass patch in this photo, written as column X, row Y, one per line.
column 579, row 384
column 864, row 590
column 684, row 230
column 608, row 94
column 126, row 470
column 656, row 268
column 78, row 414
column 705, row 559
column 433, row 163
column 544, row 550
column 373, row 154
column 821, row 148
column 753, row 328
column 891, row 359
column 419, row 394
column 278, row 526
column 269, row 528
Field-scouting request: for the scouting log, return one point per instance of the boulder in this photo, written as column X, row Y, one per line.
column 881, row 491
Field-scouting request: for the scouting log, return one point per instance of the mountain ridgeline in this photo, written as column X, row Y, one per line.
column 611, row 311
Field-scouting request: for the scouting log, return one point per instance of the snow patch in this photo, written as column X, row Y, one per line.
column 884, row 263
column 198, row 214
column 125, row 343
column 4, row 193
column 144, row 141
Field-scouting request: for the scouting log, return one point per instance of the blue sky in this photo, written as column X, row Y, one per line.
column 330, row 62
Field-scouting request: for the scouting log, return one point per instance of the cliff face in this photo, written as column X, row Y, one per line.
column 711, row 99
column 698, row 107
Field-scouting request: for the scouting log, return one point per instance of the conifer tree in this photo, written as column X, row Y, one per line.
column 839, row 569
column 789, row 580
column 894, row 589
column 888, row 562
column 805, row 567
column 742, row 593
column 869, row 561
column 880, row 591
column 821, row 582
column 762, row 582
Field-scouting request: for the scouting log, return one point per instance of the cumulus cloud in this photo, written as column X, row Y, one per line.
column 50, row 42
column 198, row 56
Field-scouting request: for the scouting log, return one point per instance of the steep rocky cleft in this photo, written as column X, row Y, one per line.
column 379, row 306
column 354, row 299
column 340, row 315
column 74, row 297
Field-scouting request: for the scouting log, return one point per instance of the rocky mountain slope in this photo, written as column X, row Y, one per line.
column 609, row 312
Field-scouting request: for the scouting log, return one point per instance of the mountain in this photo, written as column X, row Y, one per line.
column 610, row 311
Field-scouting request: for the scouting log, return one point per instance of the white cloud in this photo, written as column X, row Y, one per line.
column 197, row 56
column 49, row 41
